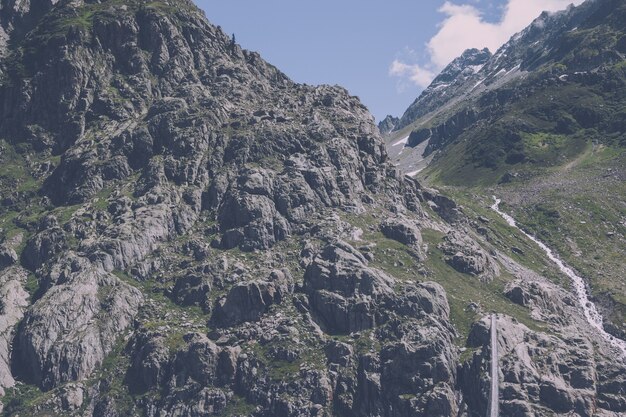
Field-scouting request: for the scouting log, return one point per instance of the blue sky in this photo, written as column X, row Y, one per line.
column 355, row 43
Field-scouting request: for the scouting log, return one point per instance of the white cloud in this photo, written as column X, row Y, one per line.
column 464, row 27
column 417, row 74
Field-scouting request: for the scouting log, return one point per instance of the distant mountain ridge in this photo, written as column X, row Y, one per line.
column 388, row 124
column 446, row 85
column 542, row 123
column 577, row 45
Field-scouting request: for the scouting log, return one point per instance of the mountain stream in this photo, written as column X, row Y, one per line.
column 589, row 308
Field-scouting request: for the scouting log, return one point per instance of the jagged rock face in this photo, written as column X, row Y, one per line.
column 159, row 119
column 443, row 134
column 8, row 256
column 201, row 236
column 541, row 43
column 544, row 300
column 67, row 333
column 346, row 294
column 250, row 300
column 166, row 144
column 387, row 124
column 184, row 374
column 402, row 230
column 356, row 382
column 467, row 256
column 13, row 302
column 541, row 373
column 171, row 105
column 445, row 86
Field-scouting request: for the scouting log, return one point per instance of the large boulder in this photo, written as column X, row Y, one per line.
column 465, row 255
column 443, row 206
column 545, row 300
column 149, row 361
column 192, row 289
column 251, row 221
column 248, row 301
column 197, row 362
column 421, row 301
column 187, row 375
column 338, row 352
column 402, row 230
column 69, row 331
column 345, row 294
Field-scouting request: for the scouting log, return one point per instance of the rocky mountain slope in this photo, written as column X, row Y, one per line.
column 388, row 124
column 573, row 59
column 187, row 232
column 451, row 83
column 541, row 124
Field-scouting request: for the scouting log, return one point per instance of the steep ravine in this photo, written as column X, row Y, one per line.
column 594, row 318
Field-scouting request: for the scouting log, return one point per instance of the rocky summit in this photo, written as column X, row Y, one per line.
column 186, row 232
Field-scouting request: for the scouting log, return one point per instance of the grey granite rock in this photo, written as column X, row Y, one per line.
column 465, row 255
column 13, row 302
column 43, row 247
column 403, row 230
column 540, row 373
column 149, row 361
column 247, row 301
column 68, row 332
column 8, row 256
column 344, row 292
column 388, row 124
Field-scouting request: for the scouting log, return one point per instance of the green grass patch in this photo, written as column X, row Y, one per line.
column 467, row 354
column 463, row 289
column 163, row 312
column 101, row 200
column 589, row 234
column 366, row 343
column 576, row 210
column 238, row 406
column 552, row 149
column 401, row 262
column 278, row 369
column 32, row 285
column 15, row 175
column 20, row 399
column 476, row 202
column 113, row 371
column 161, row 7
column 393, row 257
